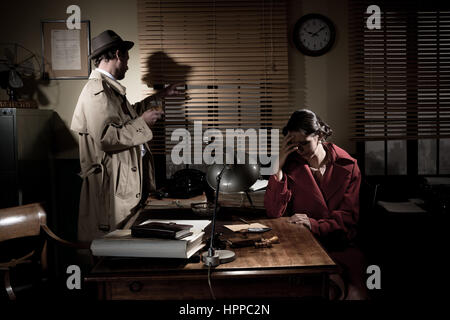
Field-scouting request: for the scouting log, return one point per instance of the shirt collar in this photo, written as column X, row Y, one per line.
column 106, row 73
column 98, row 74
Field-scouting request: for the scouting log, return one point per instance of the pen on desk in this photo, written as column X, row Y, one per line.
column 244, row 221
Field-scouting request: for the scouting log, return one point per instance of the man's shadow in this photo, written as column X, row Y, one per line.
column 162, row 70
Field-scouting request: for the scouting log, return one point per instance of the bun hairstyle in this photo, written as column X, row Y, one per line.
column 308, row 122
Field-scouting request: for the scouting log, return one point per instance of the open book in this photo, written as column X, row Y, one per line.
column 120, row 243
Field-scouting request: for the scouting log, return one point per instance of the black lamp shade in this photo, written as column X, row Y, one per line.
column 235, row 177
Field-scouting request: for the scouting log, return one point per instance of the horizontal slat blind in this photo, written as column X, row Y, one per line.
column 232, row 56
column 400, row 74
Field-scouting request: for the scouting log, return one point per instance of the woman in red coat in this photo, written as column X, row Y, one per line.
column 318, row 184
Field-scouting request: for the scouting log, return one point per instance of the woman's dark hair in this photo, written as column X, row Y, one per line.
column 107, row 55
column 308, row 122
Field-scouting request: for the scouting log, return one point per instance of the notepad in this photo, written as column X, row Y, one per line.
column 169, row 230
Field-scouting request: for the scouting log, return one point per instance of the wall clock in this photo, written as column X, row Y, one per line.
column 314, row 34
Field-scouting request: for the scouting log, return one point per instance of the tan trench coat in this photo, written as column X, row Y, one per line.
column 110, row 155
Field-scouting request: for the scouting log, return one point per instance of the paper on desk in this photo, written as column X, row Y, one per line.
column 259, row 184
column 401, row 207
column 434, row 181
column 238, row 227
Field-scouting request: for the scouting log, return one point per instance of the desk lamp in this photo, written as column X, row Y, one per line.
column 227, row 178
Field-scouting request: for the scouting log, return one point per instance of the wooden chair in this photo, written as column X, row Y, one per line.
column 368, row 197
column 23, row 240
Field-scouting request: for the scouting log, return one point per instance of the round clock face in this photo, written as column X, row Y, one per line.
column 314, row 34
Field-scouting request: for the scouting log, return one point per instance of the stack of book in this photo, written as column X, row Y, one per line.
column 121, row 242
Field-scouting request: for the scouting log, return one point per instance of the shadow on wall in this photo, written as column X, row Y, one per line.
column 63, row 140
column 32, row 87
column 66, row 181
column 163, row 70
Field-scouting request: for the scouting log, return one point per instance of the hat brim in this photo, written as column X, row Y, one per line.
column 122, row 44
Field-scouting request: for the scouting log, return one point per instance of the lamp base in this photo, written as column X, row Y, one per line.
column 219, row 257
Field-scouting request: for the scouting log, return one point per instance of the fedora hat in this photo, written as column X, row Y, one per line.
column 107, row 40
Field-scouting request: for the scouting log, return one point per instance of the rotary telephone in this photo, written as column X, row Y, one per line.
column 186, row 183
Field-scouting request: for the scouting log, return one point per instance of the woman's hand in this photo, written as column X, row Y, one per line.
column 286, row 148
column 301, row 218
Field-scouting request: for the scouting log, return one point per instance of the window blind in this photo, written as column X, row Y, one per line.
column 400, row 74
column 231, row 56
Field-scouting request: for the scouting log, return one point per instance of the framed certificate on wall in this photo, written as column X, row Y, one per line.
column 65, row 51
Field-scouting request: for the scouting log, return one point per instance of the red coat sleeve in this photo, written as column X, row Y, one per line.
column 345, row 217
column 277, row 196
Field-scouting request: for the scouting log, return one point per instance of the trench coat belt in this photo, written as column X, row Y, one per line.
column 92, row 170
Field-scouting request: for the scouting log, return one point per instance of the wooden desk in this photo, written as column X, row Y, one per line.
column 296, row 267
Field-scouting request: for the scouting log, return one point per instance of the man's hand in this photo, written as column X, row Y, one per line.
column 171, row 90
column 301, row 218
column 151, row 116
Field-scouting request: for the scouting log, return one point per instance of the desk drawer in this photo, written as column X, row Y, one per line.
column 293, row 286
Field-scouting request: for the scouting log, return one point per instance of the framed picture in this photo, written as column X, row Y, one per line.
column 65, row 51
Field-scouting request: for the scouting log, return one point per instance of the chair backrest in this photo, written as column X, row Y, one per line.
column 368, row 196
column 23, row 242
column 17, row 224
column 21, row 221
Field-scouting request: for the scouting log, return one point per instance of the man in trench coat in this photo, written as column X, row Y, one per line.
column 116, row 163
